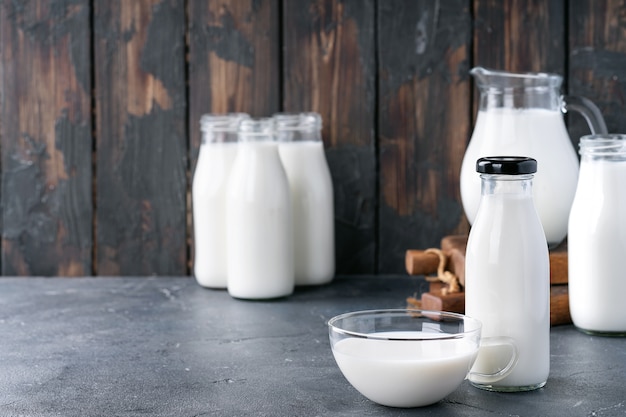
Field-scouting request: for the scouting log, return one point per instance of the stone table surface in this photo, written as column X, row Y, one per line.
column 164, row 346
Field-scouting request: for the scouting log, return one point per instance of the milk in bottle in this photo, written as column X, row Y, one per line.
column 302, row 154
column 217, row 153
column 597, row 237
column 507, row 281
column 258, row 219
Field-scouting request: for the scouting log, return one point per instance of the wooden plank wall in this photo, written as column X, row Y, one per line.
column 100, row 103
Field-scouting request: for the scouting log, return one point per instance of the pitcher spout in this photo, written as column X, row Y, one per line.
column 481, row 75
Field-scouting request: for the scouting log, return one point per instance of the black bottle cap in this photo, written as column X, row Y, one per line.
column 508, row 165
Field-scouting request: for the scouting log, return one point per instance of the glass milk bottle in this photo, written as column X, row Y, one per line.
column 302, row 153
column 259, row 243
column 507, row 275
column 217, row 154
column 597, row 237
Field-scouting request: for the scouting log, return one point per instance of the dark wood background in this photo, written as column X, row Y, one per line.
column 100, row 103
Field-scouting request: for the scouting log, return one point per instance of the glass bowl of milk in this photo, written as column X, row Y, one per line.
column 404, row 358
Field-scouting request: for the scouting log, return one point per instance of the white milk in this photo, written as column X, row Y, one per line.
column 209, row 188
column 404, row 373
column 312, row 207
column 507, row 287
column 260, row 249
column 597, row 247
column 535, row 133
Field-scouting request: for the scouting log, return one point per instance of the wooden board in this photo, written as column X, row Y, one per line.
column 520, row 35
column 424, row 121
column 101, row 102
column 46, row 143
column 329, row 67
column 597, row 61
column 141, row 158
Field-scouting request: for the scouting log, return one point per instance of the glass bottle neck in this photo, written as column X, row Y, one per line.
column 520, row 185
column 298, row 127
column 217, row 136
column 257, row 131
column 221, row 128
column 610, row 147
column 256, row 138
column 298, row 136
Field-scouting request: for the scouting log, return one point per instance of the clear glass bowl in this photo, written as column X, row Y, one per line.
column 404, row 358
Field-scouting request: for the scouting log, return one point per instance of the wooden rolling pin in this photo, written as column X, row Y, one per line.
column 419, row 262
column 455, row 302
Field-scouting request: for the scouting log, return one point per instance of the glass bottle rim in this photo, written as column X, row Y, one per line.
column 297, row 121
column 257, row 130
column 221, row 122
column 612, row 144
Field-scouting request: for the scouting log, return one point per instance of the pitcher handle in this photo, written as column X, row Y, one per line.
column 588, row 110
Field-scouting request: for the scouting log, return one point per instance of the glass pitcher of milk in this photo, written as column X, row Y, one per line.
column 302, row 154
column 522, row 114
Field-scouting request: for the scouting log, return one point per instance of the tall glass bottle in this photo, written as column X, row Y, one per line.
column 302, row 153
column 507, row 275
column 210, row 181
column 259, row 221
column 597, row 237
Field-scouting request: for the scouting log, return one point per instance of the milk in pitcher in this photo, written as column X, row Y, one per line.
column 522, row 114
column 510, row 131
